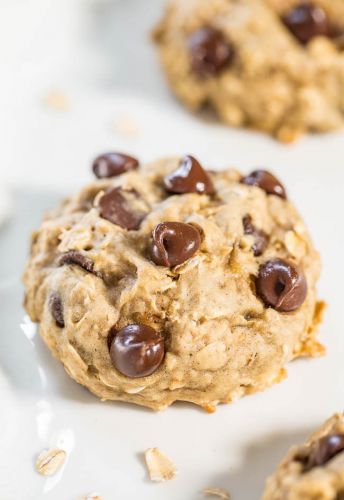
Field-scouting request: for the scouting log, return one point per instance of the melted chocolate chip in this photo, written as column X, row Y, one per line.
column 261, row 239
column 56, row 309
column 112, row 164
column 281, row 285
column 77, row 258
column 136, row 350
column 266, row 181
column 209, row 51
column 119, row 207
column 189, row 177
column 307, row 21
column 174, row 243
column 326, row 449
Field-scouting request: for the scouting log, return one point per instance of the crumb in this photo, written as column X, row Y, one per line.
column 209, row 408
column 159, row 466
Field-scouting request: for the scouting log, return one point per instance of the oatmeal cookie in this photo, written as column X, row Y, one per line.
column 167, row 282
column 272, row 65
column 314, row 470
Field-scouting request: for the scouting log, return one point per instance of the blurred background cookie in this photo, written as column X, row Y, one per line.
column 276, row 66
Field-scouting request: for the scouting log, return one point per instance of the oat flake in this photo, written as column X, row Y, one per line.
column 49, row 461
column 159, row 466
column 216, row 492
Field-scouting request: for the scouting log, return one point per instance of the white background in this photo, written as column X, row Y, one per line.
column 99, row 54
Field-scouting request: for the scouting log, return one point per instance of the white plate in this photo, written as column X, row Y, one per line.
column 239, row 445
column 5, row 205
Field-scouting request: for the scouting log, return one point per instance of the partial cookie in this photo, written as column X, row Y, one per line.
column 273, row 65
column 313, row 471
column 166, row 282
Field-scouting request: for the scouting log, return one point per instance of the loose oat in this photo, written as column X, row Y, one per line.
column 56, row 100
column 159, row 466
column 127, row 127
column 216, row 492
column 49, row 461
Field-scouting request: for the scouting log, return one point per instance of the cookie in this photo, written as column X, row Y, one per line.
column 168, row 282
column 314, row 470
column 272, row 65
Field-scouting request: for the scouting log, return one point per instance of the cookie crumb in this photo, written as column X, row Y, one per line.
column 92, row 496
column 209, row 408
column 57, row 100
column 159, row 466
column 49, row 461
column 216, row 492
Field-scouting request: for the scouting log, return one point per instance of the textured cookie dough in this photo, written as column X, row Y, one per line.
column 220, row 340
column 271, row 81
column 313, row 471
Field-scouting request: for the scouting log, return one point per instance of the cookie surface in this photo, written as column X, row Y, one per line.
column 169, row 282
column 314, row 470
column 272, row 65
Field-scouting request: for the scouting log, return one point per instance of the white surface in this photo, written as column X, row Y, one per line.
column 5, row 204
column 97, row 52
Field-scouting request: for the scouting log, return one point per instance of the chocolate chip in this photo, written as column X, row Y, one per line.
column 112, row 164
column 325, row 449
column 77, row 258
column 136, row 350
column 307, row 21
column 209, row 51
column 189, row 177
column 266, row 181
column 174, row 243
column 119, row 206
column 56, row 309
column 261, row 239
column 281, row 285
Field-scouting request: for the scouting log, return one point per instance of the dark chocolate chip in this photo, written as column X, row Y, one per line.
column 174, row 243
column 77, row 258
column 266, row 181
column 209, row 51
column 119, row 206
column 306, row 21
column 325, row 449
column 261, row 239
column 136, row 350
column 189, row 177
column 56, row 308
column 281, row 285
column 112, row 164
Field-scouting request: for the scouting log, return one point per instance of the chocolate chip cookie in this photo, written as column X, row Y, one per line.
column 168, row 282
column 272, row 65
column 314, row 470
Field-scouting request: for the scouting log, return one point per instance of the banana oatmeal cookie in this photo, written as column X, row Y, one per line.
column 272, row 65
column 314, row 470
column 169, row 282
